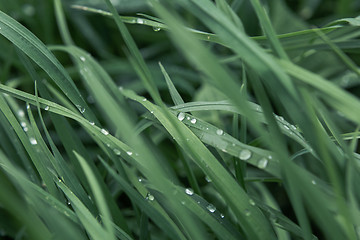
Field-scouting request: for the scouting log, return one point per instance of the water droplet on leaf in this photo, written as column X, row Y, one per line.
column 33, row 141
column 117, row 151
column 47, row 108
column 219, row 132
column 211, row 208
column 149, row 197
column 262, row 163
column 156, row 29
column 104, row 131
column 193, row 121
column 21, row 113
column 189, row 191
column 181, row 116
column 245, row 154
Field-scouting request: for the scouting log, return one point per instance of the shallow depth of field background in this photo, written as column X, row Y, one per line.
column 182, row 119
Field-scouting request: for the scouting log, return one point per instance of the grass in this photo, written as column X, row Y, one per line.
column 186, row 119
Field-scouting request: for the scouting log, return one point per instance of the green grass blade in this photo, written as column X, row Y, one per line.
column 37, row 51
column 236, row 197
column 177, row 99
column 99, row 198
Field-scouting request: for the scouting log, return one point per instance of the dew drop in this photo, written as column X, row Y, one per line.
column 286, row 127
column 25, row 129
column 23, row 124
column 188, row 118
column 117, row 151
column 144, row 99
column 140, row 21
column 129, row 153
column 21, row 113
column 156, row 29
column 82, row 58
column 247, row 212
column 262, row 163
column 80, row 108
column 211, row 208
column 252, row 202
column 92, row 123
column 219, row 132
column 183, row 202
column 149, row 197
column 189, row 191
column 222, row 215
column 245, row 154
column 293, row 127
column 193, row 121
column 207, row 178
column 181, row 116
column 0, row 28
column 313, row 182
column 47, row 108
column 140, row 179
column 104, row 131
column 33, row 141
column 121, row 88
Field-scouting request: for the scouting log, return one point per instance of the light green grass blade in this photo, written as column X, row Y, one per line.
column 336, row 97
column 91, row 225
column 235, row 197
column 177, row 99
column 268, row 29
column 99, row 198
column 145, row 75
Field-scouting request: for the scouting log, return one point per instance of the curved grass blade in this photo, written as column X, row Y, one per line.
column 159, row 218
column 177, row 99
column 99, row 197
column 37, row 51
column 207, row 213
column 286, row 127
column 91, row 225
column 235, row 197
column 30, row 145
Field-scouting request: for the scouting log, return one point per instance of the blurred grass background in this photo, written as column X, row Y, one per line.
column 285, row 166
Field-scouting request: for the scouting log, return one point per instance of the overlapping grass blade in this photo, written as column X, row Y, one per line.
column 177, row 99
column 99, row 198
column 236, row 197
column 37, row 51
